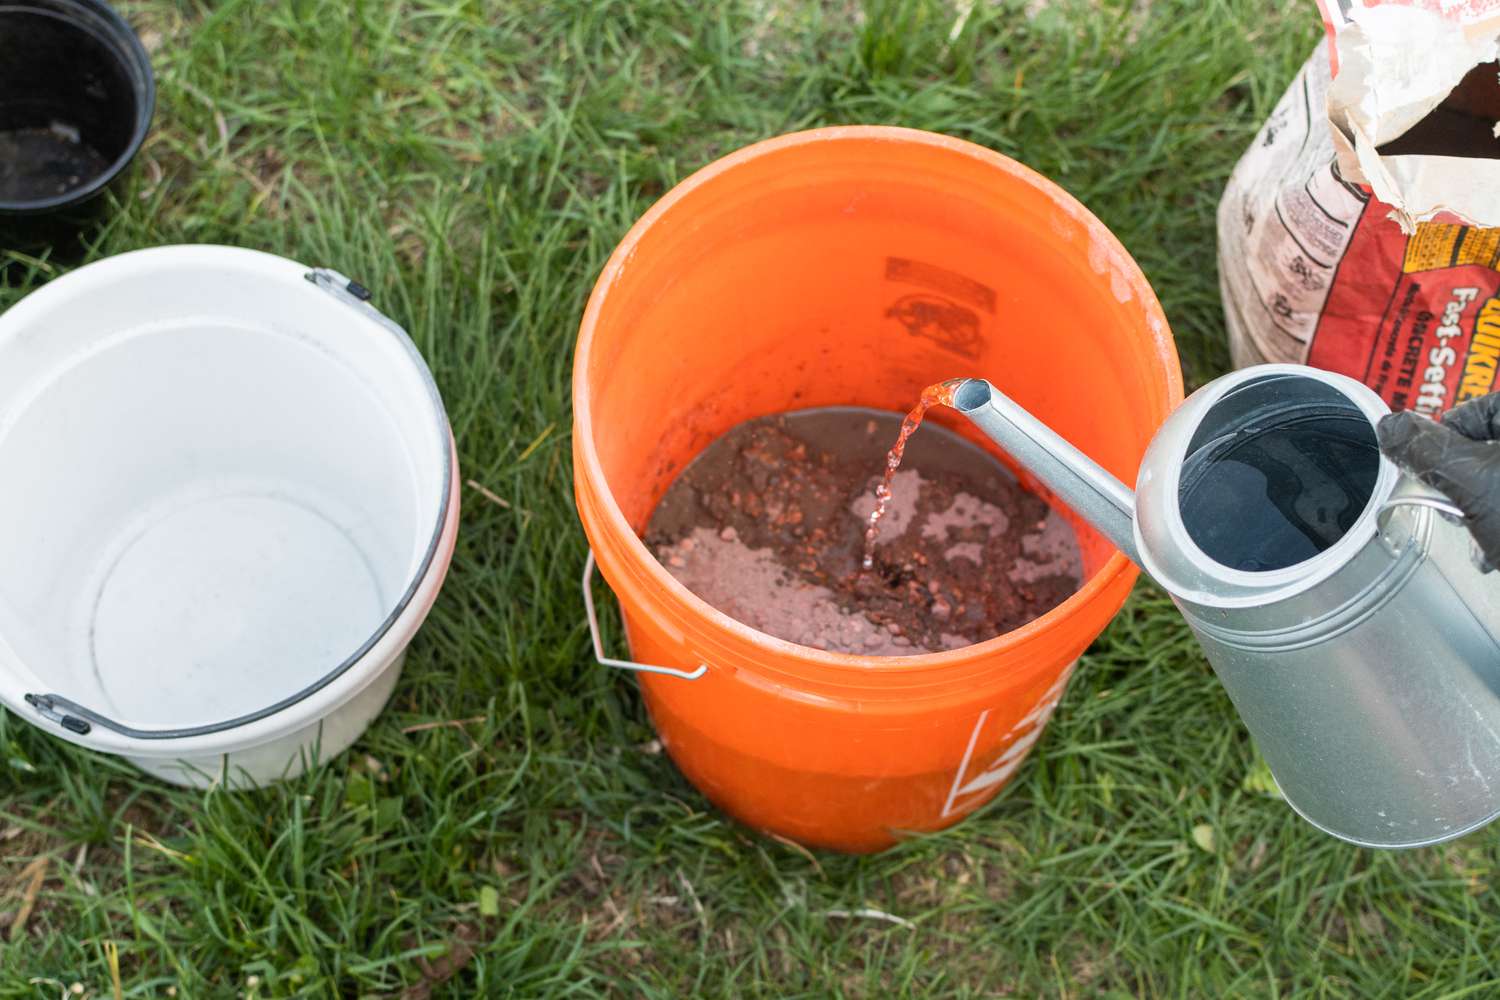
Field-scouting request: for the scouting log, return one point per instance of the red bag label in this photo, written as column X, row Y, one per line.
column 1416, row 318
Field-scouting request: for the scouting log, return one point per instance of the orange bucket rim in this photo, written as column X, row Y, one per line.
column 795, row 654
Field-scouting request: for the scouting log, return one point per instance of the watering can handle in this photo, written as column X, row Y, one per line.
column 1081, row 483
column 605, row 661
column 1438, row 503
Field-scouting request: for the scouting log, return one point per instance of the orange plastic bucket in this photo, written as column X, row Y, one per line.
column 854, row 266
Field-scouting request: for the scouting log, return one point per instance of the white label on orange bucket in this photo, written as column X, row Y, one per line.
column 1022, row 736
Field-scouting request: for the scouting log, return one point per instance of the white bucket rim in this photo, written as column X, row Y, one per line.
column 78, row 720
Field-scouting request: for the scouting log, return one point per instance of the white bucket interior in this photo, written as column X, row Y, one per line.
column 222, row 482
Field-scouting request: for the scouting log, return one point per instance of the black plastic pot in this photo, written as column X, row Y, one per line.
column 76, row 99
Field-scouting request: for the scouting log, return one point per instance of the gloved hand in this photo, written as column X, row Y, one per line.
column 1459, row 456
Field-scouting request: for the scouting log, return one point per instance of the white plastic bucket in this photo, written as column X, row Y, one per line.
column 232, row 498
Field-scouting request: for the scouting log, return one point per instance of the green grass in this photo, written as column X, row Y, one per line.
column 473, row 162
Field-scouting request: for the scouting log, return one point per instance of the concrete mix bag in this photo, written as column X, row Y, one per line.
column 1357, row 233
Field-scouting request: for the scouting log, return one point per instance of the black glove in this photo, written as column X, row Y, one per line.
column 1459, row 457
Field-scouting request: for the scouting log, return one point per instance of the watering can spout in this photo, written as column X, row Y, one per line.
column 1091, row 492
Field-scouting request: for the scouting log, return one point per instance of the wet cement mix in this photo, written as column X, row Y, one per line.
column 767, row 525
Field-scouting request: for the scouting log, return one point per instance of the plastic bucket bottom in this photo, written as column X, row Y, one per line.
column 238, row 505
column 854, row 266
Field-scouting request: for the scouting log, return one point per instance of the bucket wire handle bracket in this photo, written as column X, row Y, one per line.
column 645, row 668
column 351, row 293
column 47, row 706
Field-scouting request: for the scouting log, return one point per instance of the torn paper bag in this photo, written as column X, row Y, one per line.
column 1354, row 232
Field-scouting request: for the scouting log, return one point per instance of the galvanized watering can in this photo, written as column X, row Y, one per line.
column 1335, row 598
